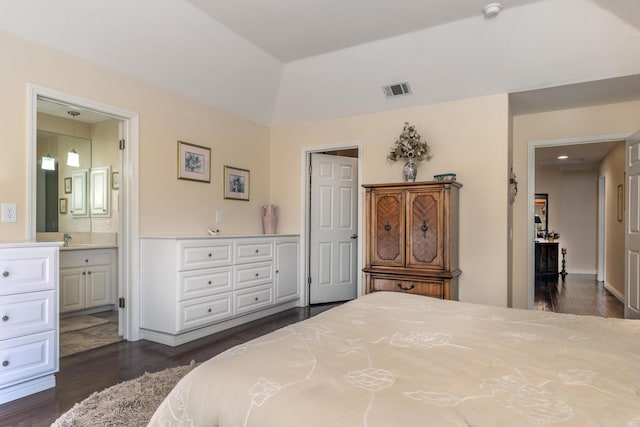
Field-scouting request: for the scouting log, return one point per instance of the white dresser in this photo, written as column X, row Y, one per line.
column 191, row 287
column 28, row 318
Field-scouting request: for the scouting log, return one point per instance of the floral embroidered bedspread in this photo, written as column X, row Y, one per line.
column 393, row 359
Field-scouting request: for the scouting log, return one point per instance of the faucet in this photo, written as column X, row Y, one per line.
column 67, row 237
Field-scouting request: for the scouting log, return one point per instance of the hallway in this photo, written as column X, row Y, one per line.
column 576, row 294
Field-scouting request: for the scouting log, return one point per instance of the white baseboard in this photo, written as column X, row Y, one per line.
column 583, row 271
column 616, row 293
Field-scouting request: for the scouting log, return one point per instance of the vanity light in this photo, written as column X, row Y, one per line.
column 48, row 163
column 73, row 158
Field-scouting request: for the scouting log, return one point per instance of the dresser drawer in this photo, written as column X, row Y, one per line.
column 201, row 283
column 250, row 275
column 430, row 288
column 28, row 313
column 27, row 357
column 204, row 311
column 195, row 254
column 247, row 251
column 26, row 270
column 253, row 299
column 82, row 258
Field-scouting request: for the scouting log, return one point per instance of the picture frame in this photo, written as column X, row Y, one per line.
column 62, row 205
column 620, row 202
column 236, row 183
column 115, row 180
column 194, row 162
column 67, row 185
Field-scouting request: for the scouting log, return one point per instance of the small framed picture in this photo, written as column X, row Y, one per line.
column 67, row 185
column 115, row 180
column 236, row 183
column 63, row 205
column 194, row 162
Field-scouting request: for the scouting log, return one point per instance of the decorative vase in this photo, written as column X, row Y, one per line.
column 410, row 170
column 269, row 219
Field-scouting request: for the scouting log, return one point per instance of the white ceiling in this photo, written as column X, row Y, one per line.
column 281, row 62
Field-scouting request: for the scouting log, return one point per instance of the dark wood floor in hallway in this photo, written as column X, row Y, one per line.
column 576, row 294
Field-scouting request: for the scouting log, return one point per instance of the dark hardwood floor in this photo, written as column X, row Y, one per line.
column 94, row 370
column 576, row 294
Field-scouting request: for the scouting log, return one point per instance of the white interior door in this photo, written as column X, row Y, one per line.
column 334, row 227
column 632, row 226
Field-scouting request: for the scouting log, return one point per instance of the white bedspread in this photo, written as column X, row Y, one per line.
column 392, row 359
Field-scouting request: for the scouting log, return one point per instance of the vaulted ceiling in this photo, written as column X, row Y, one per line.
column 290, row 61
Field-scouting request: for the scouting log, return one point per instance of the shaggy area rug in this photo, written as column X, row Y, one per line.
column 130, row 403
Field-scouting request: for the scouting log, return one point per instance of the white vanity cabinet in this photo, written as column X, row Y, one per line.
column 28, row 318
column 100, row 191
column 194, row 286
column 87, row 279
column 79, row 180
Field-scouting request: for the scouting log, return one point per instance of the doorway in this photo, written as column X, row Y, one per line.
column 332, row 243
column 127, row 229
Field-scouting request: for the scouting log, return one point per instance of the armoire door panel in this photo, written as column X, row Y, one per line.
column 425, row 247
column 388, row 241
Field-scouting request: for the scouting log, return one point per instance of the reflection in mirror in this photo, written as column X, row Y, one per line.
column 56, row 184
column 541, row 212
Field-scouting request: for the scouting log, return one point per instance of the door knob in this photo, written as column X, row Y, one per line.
column 354, row 236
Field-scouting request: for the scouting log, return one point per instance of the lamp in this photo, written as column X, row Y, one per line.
column 537, row 219
column 73, row 158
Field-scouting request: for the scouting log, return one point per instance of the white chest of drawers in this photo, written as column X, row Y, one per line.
column 192, row 287
column 28, row 318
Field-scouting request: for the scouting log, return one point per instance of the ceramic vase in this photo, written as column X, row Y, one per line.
column 269, row 219
column 410, row 170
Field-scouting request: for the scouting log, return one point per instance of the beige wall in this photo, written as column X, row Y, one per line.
column 571, row 123
column 167, row 205
column 612, row 168
column 468, row 137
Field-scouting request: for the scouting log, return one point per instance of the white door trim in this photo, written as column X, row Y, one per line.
column 305, row 192
column 128, row 253
column 531, row 181
column 602, row 230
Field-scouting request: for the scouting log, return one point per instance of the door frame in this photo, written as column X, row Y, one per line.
column 305, row 212
column 531, row 184
column 128, row 232
column 602, row 229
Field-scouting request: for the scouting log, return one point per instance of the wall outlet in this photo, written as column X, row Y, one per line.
column 9, row 212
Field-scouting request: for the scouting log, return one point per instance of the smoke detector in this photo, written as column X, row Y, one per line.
column 397, row 89
column 492, row 9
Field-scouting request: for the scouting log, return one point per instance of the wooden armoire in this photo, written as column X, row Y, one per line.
column 412, row 238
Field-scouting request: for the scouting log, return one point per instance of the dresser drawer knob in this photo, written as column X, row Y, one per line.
column 5, row 363
column 402, row 288
column 209, row 282
column 5, row 274
column 257, row 274
column 256, row 298
column 210, row 255
column 257, row 251
column 86, row 260
column 209, row 310
column 5, row 318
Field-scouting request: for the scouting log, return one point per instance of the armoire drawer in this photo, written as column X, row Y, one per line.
column 430, row 288
column 250, row 275
column 195, row 254
column 27, row 357
column 202, row 283
column 204, row 311
column 28, row 313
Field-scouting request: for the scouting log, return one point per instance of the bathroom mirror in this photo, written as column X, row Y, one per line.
column 60, row 187
column 541, row 212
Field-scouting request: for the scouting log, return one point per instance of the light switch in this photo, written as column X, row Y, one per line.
column 9, row 212
column 218, row 217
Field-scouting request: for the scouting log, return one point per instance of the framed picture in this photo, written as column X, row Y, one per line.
column 194, row 162
column 67, row 185
column 115, row 180
column 236, row 183
column 620, row 202
column 63, row 205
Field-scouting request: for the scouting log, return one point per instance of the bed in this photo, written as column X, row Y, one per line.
column 394, row 359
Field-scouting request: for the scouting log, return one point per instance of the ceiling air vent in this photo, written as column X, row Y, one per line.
column 397, row 89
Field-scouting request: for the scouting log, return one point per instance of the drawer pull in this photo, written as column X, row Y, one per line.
column 84, row 272
column 5, row 318
column 209, row 310
column 406, row 289
column 5, row 363
column 86, row 260
column 257, row 274
column 424, row 229
column 210, row 255
column 387, row 227
column 209, row 282
column 5, row 274
column 88, row 272
column 256, row 298
column 257, row 251
column 277, row 271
